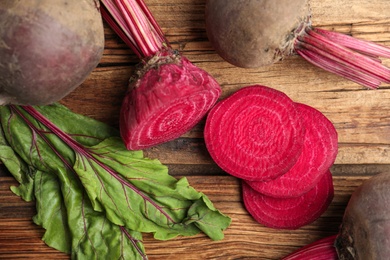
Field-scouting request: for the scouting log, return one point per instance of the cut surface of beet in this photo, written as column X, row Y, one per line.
column 165, row 103
column 322, row 249
column 291, row 213
column 168, row 94
column 255, row 134
column 319, row 152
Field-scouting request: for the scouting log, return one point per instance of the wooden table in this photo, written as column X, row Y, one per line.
column 361, row 116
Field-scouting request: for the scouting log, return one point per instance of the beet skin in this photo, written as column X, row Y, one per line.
column 255, row 33
column 365, row 230
column 47, row 48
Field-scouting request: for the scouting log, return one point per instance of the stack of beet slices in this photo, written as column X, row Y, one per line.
column 282, row 150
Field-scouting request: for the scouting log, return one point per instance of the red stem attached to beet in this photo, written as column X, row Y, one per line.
column 354, row 59
column 169, row 95
column 259, row 33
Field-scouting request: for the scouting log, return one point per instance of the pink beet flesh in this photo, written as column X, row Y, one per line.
column 255, row 134
column 318, row 154
column 291, row 213
column 165, row 103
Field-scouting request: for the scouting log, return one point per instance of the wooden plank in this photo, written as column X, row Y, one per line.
column 193, row 151
column 245, row 238
column 360, row 116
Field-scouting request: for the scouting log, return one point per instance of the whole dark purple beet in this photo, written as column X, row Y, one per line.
column 47, row 48
column 365, row 230
column 256, row 33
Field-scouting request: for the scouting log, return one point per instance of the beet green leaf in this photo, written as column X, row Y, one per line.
column 102, row 195
column 89, row 233
column 64, row 211
column 19, row 169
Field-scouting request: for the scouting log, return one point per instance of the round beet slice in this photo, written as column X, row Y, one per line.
column 255, row 134
column 291, row 213
column 319, row 152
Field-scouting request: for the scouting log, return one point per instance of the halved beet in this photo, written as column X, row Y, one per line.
column 255, row 134
column 319, row 153
column 168, row 94
column 166, row 102
column 291, row 213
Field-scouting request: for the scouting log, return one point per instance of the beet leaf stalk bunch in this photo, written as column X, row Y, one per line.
column 256, row 33
column 344, row 55
column 169, row 94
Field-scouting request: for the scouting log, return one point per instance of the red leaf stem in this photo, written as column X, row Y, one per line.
column 134, row 241
column 80, row 149
column 115, row 25
column 342, row 70
column 356, row 44
column 135, row 25
column 36, row 130
column 354, row 59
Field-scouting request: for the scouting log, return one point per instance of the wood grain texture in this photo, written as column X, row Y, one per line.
column 245, row 238
column 361, row 117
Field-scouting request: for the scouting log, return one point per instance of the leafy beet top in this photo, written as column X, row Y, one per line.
column 94, row 197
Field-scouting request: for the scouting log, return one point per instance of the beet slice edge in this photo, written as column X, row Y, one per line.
column 291, row 213
column 254, row 134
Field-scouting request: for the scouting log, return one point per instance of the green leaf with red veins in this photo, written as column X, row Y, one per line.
column 141, row 195
column 132, row 191
column 63, row 209
column 67, row 215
